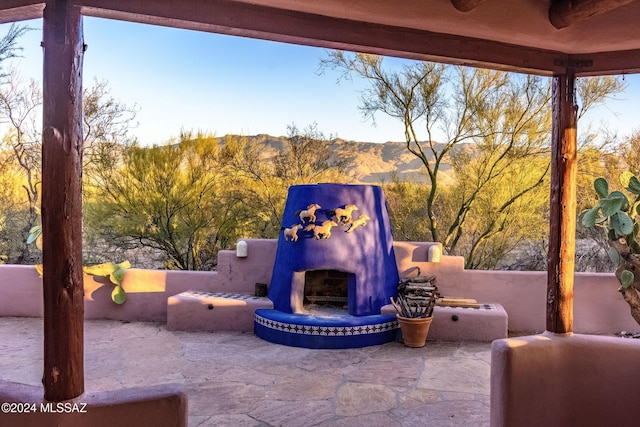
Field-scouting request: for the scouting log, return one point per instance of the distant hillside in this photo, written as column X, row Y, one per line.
column 366, row 162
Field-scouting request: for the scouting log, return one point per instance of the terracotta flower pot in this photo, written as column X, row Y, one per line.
column 414, row 330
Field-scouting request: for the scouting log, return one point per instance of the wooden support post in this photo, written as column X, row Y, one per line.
column 63, row 291
column 562, row 215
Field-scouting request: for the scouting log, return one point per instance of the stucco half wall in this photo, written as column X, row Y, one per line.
column 598, row 307
column 154, row 406
column 564, row 380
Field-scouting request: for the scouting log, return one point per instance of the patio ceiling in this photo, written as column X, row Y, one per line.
column 596, row 36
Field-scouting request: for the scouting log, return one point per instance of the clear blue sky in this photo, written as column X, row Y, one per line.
column 221, row 84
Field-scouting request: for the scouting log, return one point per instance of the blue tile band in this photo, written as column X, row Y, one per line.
column 340, row 331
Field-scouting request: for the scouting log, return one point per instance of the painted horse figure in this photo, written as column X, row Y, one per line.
column 309, row 213
column 343, row 215
column 292, row 233
column 322, row 231
column 360, row 222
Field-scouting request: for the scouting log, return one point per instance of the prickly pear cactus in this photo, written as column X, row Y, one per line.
column 619, row 218
column 115, row 272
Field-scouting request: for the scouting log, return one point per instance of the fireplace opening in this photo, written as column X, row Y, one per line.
column 326, row 290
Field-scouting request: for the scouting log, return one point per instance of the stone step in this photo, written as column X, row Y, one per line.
column 213, row 311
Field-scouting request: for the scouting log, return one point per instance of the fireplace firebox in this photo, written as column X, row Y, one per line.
column 325, row 290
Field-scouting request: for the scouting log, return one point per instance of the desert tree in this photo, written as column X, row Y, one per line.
column 405, row 204
column 504, row 117
column 9, row 47
column 19, row 105
column 629, row 150
column 602, row 153
column 254, row 183
column 10, row 243
column 107, row 124
column 599, row 149
column 305, row 157
column 11, row 146
column 487, row 122
column 172, row 199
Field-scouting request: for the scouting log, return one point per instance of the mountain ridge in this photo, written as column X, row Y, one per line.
column 365, row 162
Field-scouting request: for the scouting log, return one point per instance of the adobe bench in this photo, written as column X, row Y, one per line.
column 224, row 311
column 213, row 311
column 486, row 323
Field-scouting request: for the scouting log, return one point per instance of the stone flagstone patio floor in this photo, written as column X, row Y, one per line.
column 236, row 379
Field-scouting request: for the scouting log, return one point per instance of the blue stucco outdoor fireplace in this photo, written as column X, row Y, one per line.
column 334, row 270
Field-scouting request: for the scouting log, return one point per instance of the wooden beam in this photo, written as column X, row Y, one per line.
column 563, row 13
column 63, row 290
column 260, row 21
column 466, row 5
column 269, row 23
column 607, row 63
column 20, row 10
column 562, row 215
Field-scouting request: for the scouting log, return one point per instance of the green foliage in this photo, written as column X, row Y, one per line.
column 499, row 113
column 198, row 195
column 618, row 217
column 115, row 273
column 261, row 185
column 505, row 118
column 405, row 204
column 595, row 91
column 633, row 185
column 260, row 192
column 615, row 257
column 21, row 143
column 35, row 236
column 118, row 295
column 306, row 158
column 602, row 187
column 14, row 215
column 106, row 125
column 629, row 149
column 626, row 278
column 614, row 211
column 176, row 199
column 597, row 166
column 506, row 213
column 35, row 233
column 9, row 45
